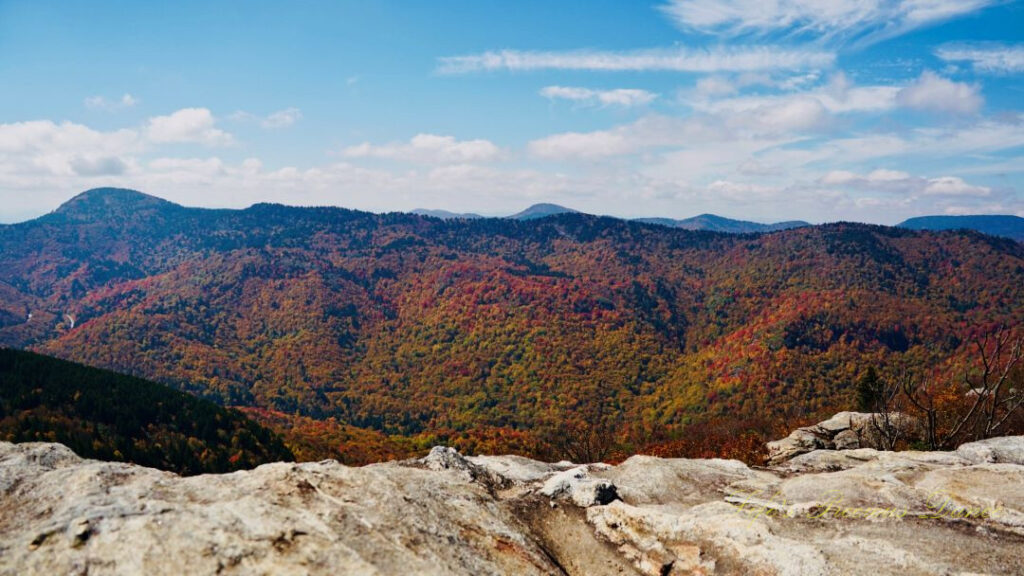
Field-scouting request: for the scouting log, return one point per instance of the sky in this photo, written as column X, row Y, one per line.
column 766, row 110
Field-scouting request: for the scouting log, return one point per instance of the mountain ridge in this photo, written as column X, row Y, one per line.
column 497, row 333
column 717, row 223
column 1005, row 225
column 445, row 214
column 118, row 204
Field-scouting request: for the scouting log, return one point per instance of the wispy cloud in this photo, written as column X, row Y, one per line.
column 929, row 92
column 838, row 96
column 840, row 20
column 102, row 103
column 897, row 181
column 280, row 119
column 743, row 59
column 428, row 148
column 768, row 119
column 990, row 58
column 624, row 97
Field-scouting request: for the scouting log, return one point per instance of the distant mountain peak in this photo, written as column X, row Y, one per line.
column 446, row 215
column 1005, row 225
column 542, row 210
column 716, row 223
column 101, row 203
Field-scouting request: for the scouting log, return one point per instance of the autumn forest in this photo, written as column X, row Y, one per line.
column 363, row 337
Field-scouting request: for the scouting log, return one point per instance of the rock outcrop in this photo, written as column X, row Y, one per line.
column 844, row 431
column 858, row 511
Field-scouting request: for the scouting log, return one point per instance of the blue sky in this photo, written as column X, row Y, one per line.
column 821, row 110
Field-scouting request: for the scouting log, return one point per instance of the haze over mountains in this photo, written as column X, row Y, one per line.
column 495, row 335
column 444, row 214
column 701, row 222
column 1008, row 226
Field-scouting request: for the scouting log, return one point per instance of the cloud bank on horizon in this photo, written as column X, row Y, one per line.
column 803, row 109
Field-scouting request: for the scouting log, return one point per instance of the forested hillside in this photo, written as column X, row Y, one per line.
column 1008, row 226
column 108, row 416
column 500, row 334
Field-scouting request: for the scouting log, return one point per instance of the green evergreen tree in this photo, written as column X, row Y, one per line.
column 870, row 390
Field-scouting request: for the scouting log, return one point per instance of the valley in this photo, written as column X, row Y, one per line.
column 547, row 337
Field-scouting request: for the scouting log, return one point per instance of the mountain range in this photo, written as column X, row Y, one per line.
column 720, row 224
column 701, row 222
column 445, row 215
column 1007, row 226
column 395, row 331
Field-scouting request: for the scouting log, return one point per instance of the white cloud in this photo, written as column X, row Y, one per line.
column 753, row 157
column 866, row 20
column 597, row 144
column 883, row 175
column 649, row 132
column 839, row 178
column 713, row 86
column 838, row 96
column 93, row 165
column 928, row 92
column 101, row 103
column 428, row 148
column 624, row 97
column 743, row 191
column 879, row 177
column 953, row 186
column 743, row 59
column 904, row 183
column 187, row 125
column 282, row 118
column 203, row 166
column 42, row 148
column 48, row 137
column 792, row 115
column 752, row 167
column 992, row 58
column 770, row 119
column 773, row 121
column 41, row 160
column 798, row 81
column 935, row 93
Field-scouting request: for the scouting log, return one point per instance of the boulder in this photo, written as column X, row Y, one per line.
column 445, row 458
column 844, row 431
column 577, row 485
column 1008, row 450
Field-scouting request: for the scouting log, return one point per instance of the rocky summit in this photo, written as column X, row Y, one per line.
column 858, row 511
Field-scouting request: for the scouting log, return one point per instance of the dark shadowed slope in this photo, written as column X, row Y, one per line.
column 109, row 416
